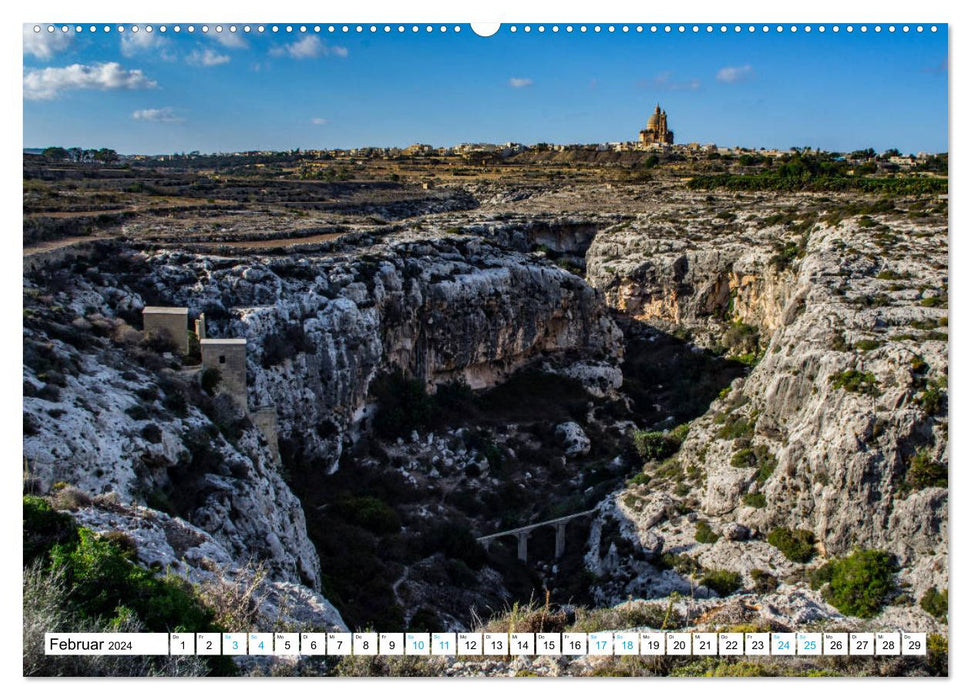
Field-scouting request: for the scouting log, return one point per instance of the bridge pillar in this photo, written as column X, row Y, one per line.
column 522, row 538
column 560, row 540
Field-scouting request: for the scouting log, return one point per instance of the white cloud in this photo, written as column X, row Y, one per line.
column 231, row 40
column 309, row 47
column 47, row 83
column 319, row 121
column 734, row 74
column 664, row 81
column 162, row 114
column 138, row 42
column 44, row 44
column 520, row 82
column 206, row 57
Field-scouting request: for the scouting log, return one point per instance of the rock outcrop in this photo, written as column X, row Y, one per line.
column 841, row 427
column 439, row 309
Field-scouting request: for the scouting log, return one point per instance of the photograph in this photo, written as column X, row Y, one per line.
column 520, row 350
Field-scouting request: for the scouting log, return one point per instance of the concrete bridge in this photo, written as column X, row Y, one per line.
column 522, row 533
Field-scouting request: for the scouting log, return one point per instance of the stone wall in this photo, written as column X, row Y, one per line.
column 172, row 321
column 228, row 355
column 264, row 418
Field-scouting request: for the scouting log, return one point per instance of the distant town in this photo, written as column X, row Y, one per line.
column 657, row 139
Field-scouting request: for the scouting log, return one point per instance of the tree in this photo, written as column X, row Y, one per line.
column 106, row 155
column 76, row 153
column 56, row 153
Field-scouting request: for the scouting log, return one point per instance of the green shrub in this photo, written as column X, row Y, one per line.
column 455, row 542
column 722, row 581
column 867, row 345
column 48, row 607
column 704, row 533
column 744, row 458
column 757, row 457
column 764, row 581
column 44, row 527
column 937, row 654
column 103, row 580
column 735, row 428
column 742, row 338
column 684, row 564
column 210, row 380
column 796, row 545
column 861, row 583
column 935, row 602
column 656, row 446
column 925, row 472
column 855, row 381
column 639, row 479
column 754, row 500
column 820, row 576
column 369, row 512
column 932, row 400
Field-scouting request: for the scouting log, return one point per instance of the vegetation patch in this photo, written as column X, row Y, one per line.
column 855, row 381
column 99, row 585
column 796, row 545
column 722, row 581
column 859, row 584
column 758, row 457
column 926, row 472
column 764, row 581
column 933, row 399
column 657, row 446
column 737, row 427
column 742, row 338
column 935, row 603
column 754, row 500
column 370, row 513
column 704, row 533
column 867, row 345
column 804, row 172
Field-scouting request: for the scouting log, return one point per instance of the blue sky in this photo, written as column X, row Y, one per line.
column 155, row 93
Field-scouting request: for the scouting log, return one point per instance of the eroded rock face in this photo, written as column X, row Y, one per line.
column 111, row 428
column 680, row 271
column 181, row 548
column 849, row 393
column 575, row 441
column 320, row 330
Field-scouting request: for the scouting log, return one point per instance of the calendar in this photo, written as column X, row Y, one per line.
column 502, row 644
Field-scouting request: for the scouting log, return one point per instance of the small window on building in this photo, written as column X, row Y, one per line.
column 222, row 359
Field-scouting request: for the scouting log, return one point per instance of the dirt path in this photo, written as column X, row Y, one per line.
column 48, row 246
column 282, row 242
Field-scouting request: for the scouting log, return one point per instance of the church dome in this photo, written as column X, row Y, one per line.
column 653, row 121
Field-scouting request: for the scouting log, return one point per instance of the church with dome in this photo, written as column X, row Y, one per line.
column 657, row 132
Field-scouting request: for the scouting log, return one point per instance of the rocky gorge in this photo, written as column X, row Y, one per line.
column 487, row 366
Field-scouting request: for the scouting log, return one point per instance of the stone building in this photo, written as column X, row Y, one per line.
column 657, row 131
column 265, row 419
column 228, row 355
column 172, row 321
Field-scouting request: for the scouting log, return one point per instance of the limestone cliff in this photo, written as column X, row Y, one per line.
column 841, row 426
column 440, row 309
